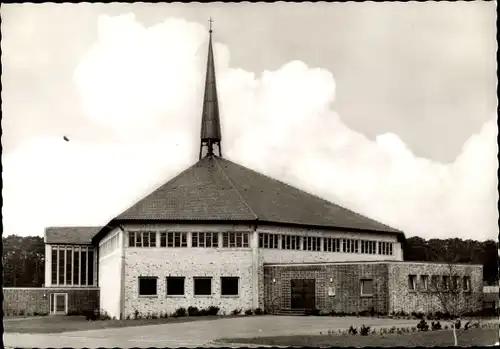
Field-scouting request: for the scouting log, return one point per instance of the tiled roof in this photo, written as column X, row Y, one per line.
column 218, row 189
column 70, row 235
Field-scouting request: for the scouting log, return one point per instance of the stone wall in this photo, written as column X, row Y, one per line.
column 36, row 301
column 344, row 279
column 403, row 299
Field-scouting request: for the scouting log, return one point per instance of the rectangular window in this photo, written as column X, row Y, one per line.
column 91, row 267
column 202, row 286
column 424, row 282
column 235, row 239
column 69, row 266
column 54, row 265
column 142, row 239
column 385, row 248
column 76, row 261
column 175, row 286
column 435, row 282
column 390, row 248
column 62, row 254
column 229, row 286
column 131, row 239
column 331, row 245
column 367, row 287
column 455, row 283
column 446, row 282
column 412, row 279
column 267, row 240
column 83, row 278
column 173, row 239
column 204, row 239
column 466, row 283
column 290, row 242
column 350, row 246
column 147, row 286
column 368, row 247
column 312, row 243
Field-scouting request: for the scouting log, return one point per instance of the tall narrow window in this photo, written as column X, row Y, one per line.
column 76, row 266
column 424, row 282
column 54, row 265
column 62, row 254
column 412, row 280
column 91, row 267
column 131, row 239
column 69, row 266
column 466, row 283
column 83, row 278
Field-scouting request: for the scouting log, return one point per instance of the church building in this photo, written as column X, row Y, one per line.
column 220, row 234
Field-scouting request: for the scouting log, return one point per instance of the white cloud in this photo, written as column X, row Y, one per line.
column 146, row 83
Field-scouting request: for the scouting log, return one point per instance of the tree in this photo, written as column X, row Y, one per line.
column 23, row 261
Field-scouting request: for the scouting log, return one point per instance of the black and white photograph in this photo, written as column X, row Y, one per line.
column 250, row 174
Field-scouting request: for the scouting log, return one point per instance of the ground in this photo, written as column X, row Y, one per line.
column 190, row 334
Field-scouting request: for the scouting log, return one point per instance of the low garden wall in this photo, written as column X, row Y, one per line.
column 36, row 301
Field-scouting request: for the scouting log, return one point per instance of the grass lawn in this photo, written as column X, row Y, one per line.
column 473, row 337
column 58, row 324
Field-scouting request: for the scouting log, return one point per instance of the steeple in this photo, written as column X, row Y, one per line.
column 210, row 122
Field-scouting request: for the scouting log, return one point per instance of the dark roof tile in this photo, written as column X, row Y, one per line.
column 70, row 235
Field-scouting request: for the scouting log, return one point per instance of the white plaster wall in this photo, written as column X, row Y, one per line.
column 110, row 278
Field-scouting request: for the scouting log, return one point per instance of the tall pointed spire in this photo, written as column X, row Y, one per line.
column 210, row 122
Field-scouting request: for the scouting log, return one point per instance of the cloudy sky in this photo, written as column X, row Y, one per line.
column 388, row 109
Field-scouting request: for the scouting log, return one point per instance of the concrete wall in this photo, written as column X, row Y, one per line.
column 110, row 274
column 188, row 262
column 343, row 279
column 403, row 299
column 36, row 301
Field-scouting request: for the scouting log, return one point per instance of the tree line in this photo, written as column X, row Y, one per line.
column 23, row 257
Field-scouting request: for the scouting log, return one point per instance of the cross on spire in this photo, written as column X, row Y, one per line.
column 210, row 21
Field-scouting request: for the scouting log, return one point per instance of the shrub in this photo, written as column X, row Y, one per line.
column 193, row 311
column 180, row 312
column 128, row 317
column 104, row 316
column 136, row 314
column 413, row 329
column 364, row 330
column 467, row 325
column 91, row 315
column 236, row 311
column 154, row 316
column 353, row 330
column 458, row 324
column 374, row 331
column 314, row 312
column 258, row 311
column 445, row 327
column 436, row 326
column 212, row 310
column 423, row 325
column 249, row 312
column 333, row 313
column 364, row 313
column 392, row 329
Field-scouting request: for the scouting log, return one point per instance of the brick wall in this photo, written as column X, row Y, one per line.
column 403, row 299
column 31, row 300
column 345, row 281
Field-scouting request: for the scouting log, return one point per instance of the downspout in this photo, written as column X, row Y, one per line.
column 122, row 273
column 255, row 267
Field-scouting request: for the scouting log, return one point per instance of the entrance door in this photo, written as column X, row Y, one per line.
column 303, row 294
column 60, row 305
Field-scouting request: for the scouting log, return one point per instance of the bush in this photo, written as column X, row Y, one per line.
column 445, row 327
column 436, row 325
column 458, row 324
column 249, row 312
column 423, row 325
column 104, row 316
column 136, row 314
column 364, row 330
column 154, row 316
column 352, row 330
column 467, row 325
column 212, row 310
column 314, row 312
column 236, row 311
column 193, row 311
column 364, row 313
column 258, row 311
column 180, row 312
column 91, row 315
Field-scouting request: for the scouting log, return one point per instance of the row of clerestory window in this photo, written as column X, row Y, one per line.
column 447, row 283
column 180, row 239
column 202, row 286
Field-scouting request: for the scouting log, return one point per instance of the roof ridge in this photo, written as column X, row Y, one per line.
column 316, row 196
column 234, row 187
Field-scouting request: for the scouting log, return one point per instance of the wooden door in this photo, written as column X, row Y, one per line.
column 303, row 294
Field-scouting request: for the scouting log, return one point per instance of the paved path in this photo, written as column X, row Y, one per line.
column 197, row 333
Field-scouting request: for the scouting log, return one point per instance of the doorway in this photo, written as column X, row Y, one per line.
column 59, row 304
column 303, row 294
